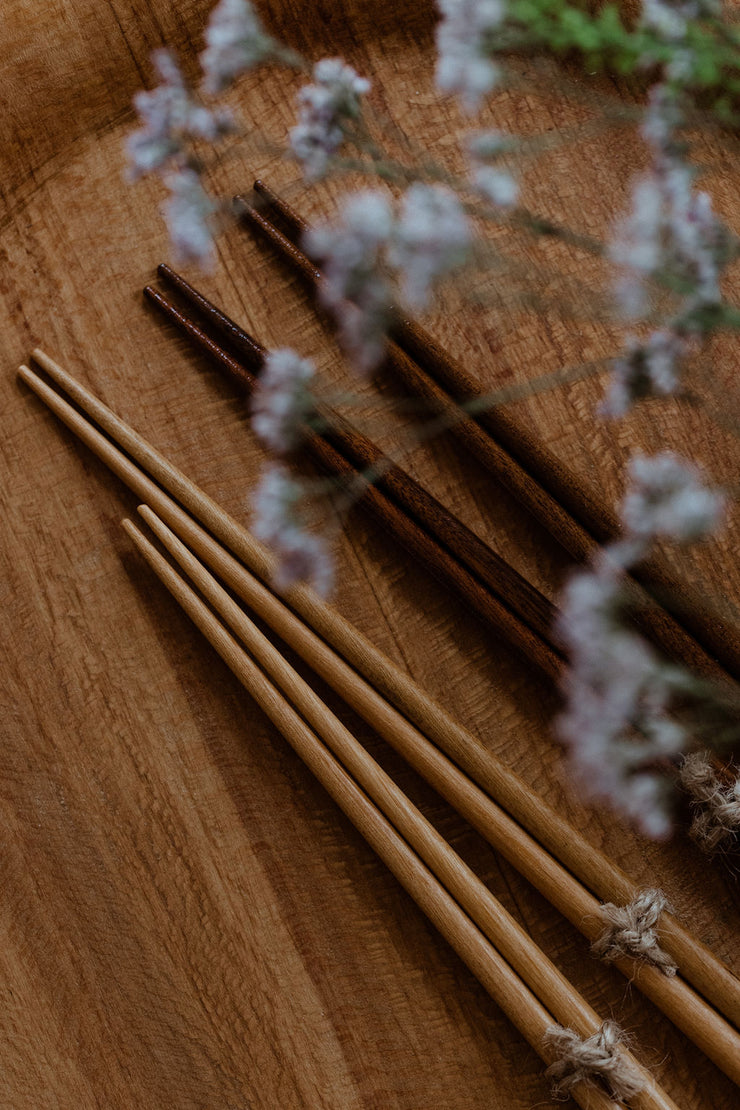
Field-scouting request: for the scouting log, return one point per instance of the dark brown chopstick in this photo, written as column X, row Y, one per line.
column 434, row 361
column 701, row 640
column 492, row 570
column 501, row 597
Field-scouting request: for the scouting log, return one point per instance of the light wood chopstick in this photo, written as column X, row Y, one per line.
column 697, row 963
column 280, row 691
column 689, row 1012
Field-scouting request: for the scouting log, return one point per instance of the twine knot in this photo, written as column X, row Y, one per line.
column 716, row 821
column 595, row 1057
column 631, row 931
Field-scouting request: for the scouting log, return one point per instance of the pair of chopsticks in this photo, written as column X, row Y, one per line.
column 508, row 450
column 534, row 995
column 555, row 858
column 506, row 961
column 505, row 600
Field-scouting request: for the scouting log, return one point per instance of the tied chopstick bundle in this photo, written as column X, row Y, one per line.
column 513, row 969
column 351, row 656
column 703, row 642
column 501, row 597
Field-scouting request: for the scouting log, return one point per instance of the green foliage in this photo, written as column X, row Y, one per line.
column 603, row 40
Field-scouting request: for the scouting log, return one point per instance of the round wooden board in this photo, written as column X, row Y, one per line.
column 187, row 921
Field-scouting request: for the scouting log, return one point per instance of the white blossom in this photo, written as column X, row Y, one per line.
column 663, row 119
column 619, row 720
column 497, row 186
column 618, row 693
column 465, row 39
column 636, row 246
column 671, row 235
column 326, row 106
column 235, row 43
column 354, row 286
column 189, row 213
column 282, row 401
column 670, row 18
column 432, row 236
column 671, row 228
column 279, row 522
column 170, row 117
column 649, row 369
column 485, row 145
column 667, row 499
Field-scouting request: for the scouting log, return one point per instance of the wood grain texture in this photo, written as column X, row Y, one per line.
column 188, row 921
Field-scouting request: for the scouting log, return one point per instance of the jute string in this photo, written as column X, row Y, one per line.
column 716, row 823
column 595, row 1057
column 631, row 931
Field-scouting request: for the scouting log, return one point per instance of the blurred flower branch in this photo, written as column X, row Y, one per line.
column 629, row 713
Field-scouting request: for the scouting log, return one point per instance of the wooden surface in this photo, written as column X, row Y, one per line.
column 186, row 920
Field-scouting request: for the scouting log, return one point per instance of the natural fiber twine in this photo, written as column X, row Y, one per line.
column 595, row 1057
column 631, row 931
column 716, row 823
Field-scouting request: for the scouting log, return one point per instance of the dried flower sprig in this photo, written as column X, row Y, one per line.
column 326, row 106
column 280, row 521
column 672, row 235
column 282, row 400
column 429, row 237
column 465, row 38
column 621, row 721
column 189, row 213
column 355, row 287
column 236, row 42
column 171, row 117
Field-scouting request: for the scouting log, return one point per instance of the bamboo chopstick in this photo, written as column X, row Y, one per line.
column 699, row 1021
column 506, row 601
column 527, row 469
column 698, row 965
column 325, row 744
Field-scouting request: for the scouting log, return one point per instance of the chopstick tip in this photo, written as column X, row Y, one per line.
column 241, row 205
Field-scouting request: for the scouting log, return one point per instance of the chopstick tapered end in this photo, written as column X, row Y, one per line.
column 139, row 540
column 146, row 512
column 242, row 205
column 26, row 374
column 40, row 356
